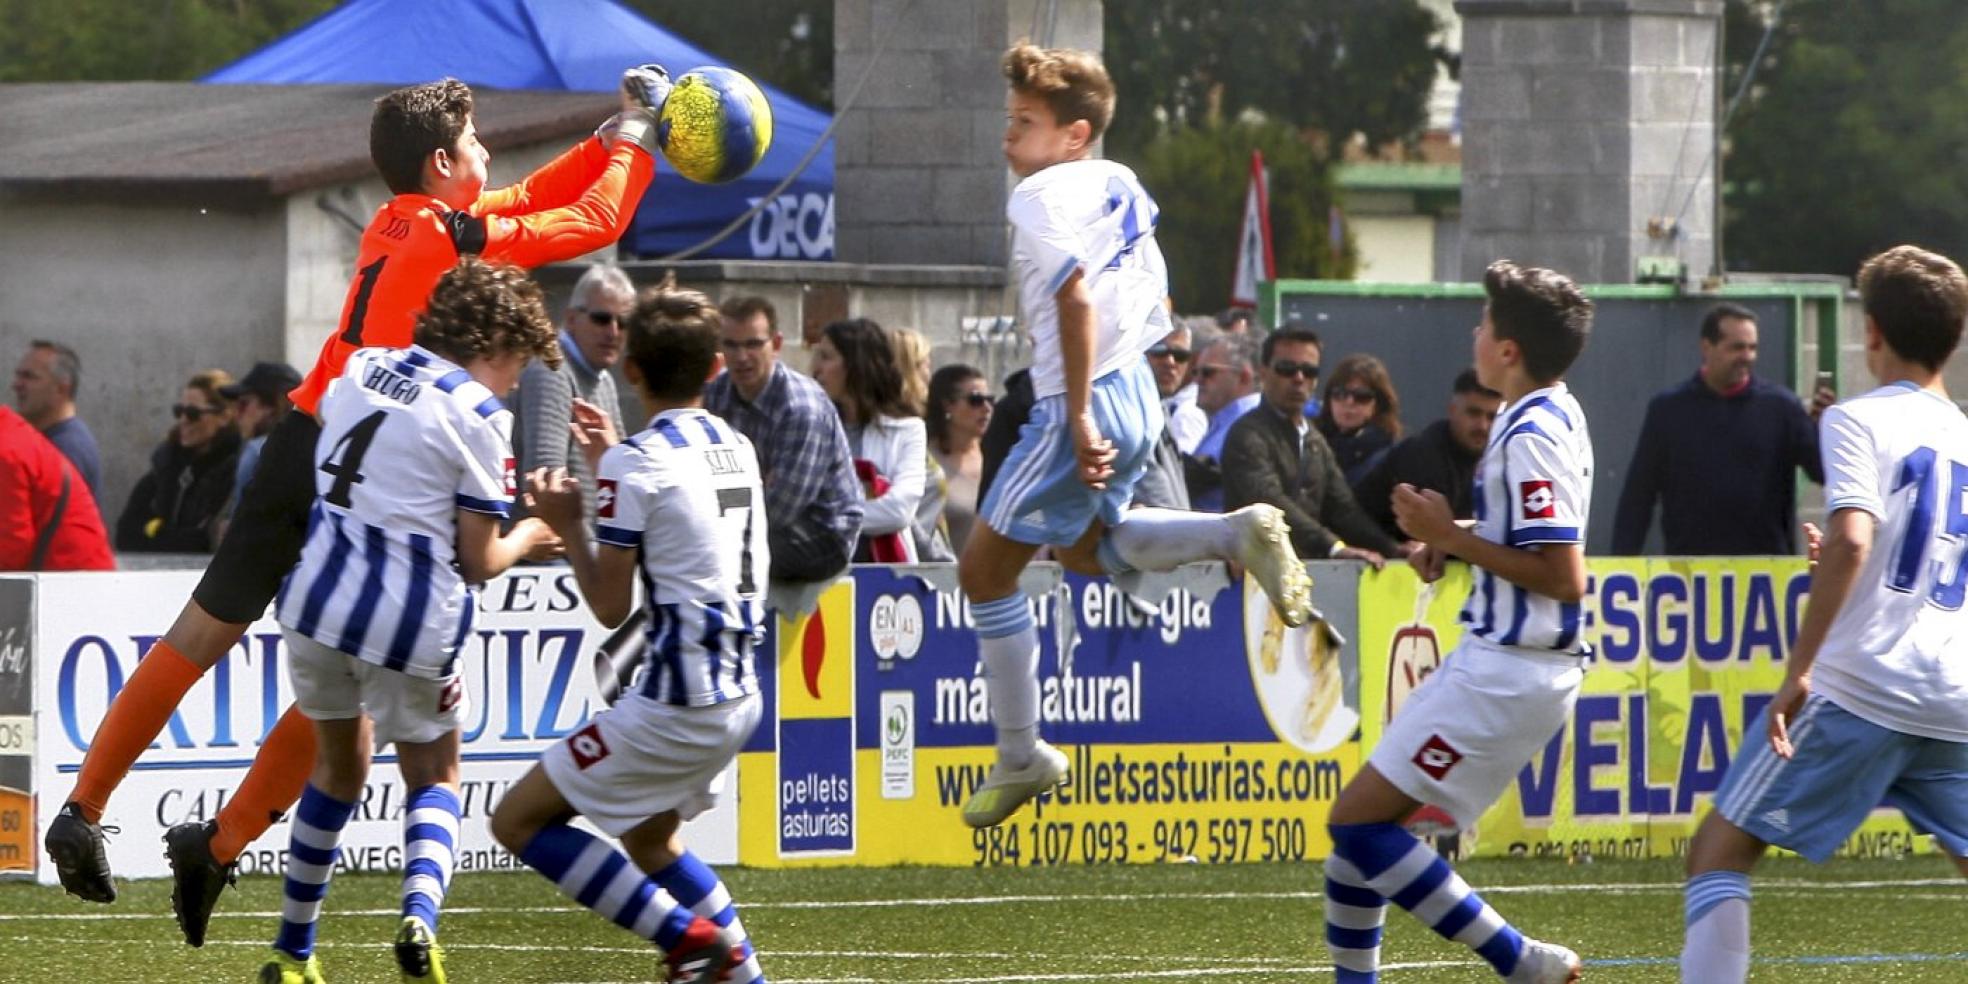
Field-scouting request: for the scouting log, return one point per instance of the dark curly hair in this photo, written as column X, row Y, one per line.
column 673, row 339
column 481, row 309
column 1542, row 311
column 873, row 381
column 410, row 124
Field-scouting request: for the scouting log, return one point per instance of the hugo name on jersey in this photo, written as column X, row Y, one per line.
column 686, row 493
column 1894, row 653
column 407, row 439
column 1092, row 216
column 1533, row 486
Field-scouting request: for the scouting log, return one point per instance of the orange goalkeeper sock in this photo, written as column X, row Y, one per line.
column 279, row 773
column 135, row 716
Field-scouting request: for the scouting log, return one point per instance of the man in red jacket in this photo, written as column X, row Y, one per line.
column 48, row 517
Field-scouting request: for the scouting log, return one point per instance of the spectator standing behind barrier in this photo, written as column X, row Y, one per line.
column 44, row 393
column 931, row 533
column 49, row 520
column 1442, row 457
column 854, row 363
column 1226, row 390
column 1273, row 455
column 258, row 402
column 1172, row 359
column 1719, row 453
column 1361, row 415
column 960, row 406
column 543, row 403
column 173, row 507
column 811, row 495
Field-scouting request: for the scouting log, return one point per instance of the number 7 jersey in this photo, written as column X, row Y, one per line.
column 686, row 494
column 407, row 440
column 1895, row 654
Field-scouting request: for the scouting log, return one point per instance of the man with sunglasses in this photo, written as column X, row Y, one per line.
column 1225, row 391
column 545, row 400
column 1273, row 456
column 1170, row 359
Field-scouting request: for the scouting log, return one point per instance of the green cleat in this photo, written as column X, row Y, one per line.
column 417, row 952
column 1005, row 790
column 283, row 968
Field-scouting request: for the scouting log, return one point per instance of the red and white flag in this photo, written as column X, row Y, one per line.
column 1254, row 263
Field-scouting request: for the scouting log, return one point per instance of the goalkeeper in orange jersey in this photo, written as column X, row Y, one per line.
column 423, row 142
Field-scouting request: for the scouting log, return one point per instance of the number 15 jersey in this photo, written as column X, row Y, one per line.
column 1894, row 655
column 407, row 440
column 686, row 493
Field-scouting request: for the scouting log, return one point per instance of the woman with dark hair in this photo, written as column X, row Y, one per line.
column 960, row 405
column 1360, row 416
column 173, row 507
column 854, row 363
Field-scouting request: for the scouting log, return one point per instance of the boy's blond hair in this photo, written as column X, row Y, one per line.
column 1073, row 83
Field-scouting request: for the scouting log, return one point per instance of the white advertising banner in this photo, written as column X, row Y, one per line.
column 528, row 671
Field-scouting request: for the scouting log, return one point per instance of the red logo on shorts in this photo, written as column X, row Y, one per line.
column 1437, row 757
column 1539, row 502
column 605, row 498
column 512, row 484
column 453, row 692
column 587, row 746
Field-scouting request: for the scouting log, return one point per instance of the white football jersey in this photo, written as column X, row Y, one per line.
column 1533, row 486
column 1894, row 654
column 407, row 440
column 686, row 493
column 1093, row 216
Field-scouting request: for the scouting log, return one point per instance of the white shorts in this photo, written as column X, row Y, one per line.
column 642, row 758
column 331, row 685
column 1460, row 738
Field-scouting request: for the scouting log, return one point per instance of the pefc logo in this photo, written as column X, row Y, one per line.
column 895, row 627
column 896, row 729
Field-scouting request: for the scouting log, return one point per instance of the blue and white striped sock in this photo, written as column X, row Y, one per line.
column 694, row 885
column 1716, row 948
column 430, row 839
column 595, row 874
column 311, row 850
column 1354, row 915
column 1008, row 644
column 1410, row 874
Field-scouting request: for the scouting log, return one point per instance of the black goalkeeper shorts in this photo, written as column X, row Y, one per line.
column 269, row 526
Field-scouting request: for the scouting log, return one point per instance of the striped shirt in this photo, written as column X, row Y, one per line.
column 685, row 492
column 1533, row 487
column 407, row 440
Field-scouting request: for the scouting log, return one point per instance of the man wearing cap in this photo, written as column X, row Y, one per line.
column 259, row 401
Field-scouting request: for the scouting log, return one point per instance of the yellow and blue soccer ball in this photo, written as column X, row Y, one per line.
column 715, row 126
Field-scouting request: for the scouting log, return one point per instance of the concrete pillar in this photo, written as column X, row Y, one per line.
column 1587, row 127
column 919, row 174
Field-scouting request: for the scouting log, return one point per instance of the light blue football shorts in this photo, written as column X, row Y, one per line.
column 1844, row 767
column 1038, row 498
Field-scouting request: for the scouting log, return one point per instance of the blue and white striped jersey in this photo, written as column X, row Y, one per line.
column 407, row 440
column 686, row 493
column 1533, row 486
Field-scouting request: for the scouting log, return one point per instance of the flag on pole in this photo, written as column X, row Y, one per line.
column 1254, row 262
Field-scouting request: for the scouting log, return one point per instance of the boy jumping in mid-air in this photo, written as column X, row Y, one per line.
column 1509, row 686
column 424, row 143
column 413, row 476
column 679, row 505
column 1094, row 293
column 1874, row 704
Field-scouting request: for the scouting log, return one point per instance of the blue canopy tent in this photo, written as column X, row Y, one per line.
column 574, row 45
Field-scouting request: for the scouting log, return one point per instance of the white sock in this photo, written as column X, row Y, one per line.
column 1008, row 643
column 1716, row 949
column 1165, row 539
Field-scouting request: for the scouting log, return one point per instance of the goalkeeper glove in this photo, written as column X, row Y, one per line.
column 645, row 87
column 636, row 126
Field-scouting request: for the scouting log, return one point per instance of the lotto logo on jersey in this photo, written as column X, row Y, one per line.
column 605, row 498
column 512, row 483
column 1539, row 501
column 587, row 746
column 1437, row 757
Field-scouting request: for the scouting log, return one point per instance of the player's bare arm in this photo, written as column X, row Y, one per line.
column 1076, row 345
column 1847, row 542
column 1555, row 570
column 606, row 575
column 483, row 554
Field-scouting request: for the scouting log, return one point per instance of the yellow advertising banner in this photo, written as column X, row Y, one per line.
column 1686, row 652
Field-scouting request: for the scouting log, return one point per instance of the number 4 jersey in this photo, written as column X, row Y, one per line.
column 407, row 440
column 1895, row 654
column 686, row 493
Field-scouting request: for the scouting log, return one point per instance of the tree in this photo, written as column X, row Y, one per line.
column 1198, row 175
column 1853, row 137
column 786, row 43
column 109, row 40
